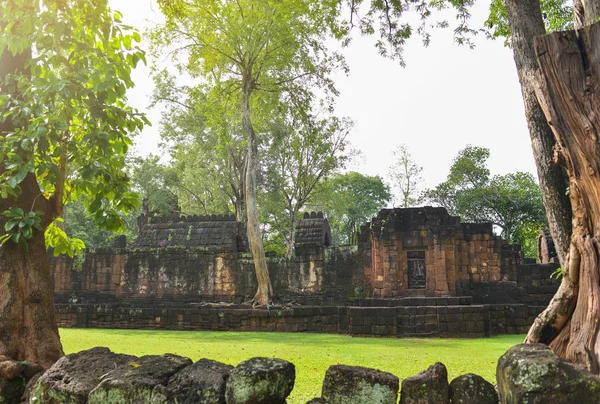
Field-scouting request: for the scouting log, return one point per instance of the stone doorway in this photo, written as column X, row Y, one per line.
column 416, row 269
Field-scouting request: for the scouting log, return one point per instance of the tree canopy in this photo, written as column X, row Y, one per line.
column 72, row 127
column 406, row 178
column 350, row 200
column 512, row 202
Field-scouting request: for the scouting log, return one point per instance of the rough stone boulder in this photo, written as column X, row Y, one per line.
column 428, row 387
column 532, row 373
column 73, row 376
column 472, row 389
column 10, row 369
column 141, row 380
column 203, row 382
column 11, row 391
column 354, row 384
column 261, row 381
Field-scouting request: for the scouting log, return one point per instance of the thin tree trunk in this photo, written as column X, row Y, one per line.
column 569, row 93
column 265, row 290
column 292, row 235
column 28, row 330
column 525, row 20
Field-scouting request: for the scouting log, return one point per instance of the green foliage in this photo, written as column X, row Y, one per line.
column 557, row 274
column 312, row 354
column 80, row 225
column 277, row 47
column 57, row 239
column 526, row 235
column 511, row 202
column 389, row 19
column 20, row 225
column 156, row 182
column 406, row 177
column 207, row 162
column 72, row 127
column 299, row 155
column 558, row 16
column 350, row 200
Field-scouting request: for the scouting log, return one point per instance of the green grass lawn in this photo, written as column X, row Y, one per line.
column 311, row 353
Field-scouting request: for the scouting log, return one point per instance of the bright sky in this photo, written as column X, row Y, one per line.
column 446, row 97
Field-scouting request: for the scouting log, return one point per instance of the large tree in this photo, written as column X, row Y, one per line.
column 210, row 160
column 570, row 97
column 301, row 154
column 64, row 130
column 519, row 22
column 258, row 56
column 350, row 200
column 405, row 175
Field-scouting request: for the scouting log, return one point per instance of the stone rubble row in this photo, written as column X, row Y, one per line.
column 525, row 373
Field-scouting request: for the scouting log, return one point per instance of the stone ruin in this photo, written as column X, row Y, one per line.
column 415, row 272
column 312, row 231
column 546, row 250
column 218, row 233
column 425, row 251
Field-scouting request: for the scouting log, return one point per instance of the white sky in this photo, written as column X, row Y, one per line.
column 448, row 96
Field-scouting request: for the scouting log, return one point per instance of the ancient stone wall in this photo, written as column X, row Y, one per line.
column 401, row 320
column 179, row 274
column 403, row 252
column 425, row 251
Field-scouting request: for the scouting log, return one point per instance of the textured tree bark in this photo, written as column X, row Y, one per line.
column 289, row 251
column 265, row 290
column 569, row 93
column 525, row 21
column 586, row 12
column 28, row 330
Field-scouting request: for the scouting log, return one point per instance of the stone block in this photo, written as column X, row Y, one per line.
column 353, row 384
column 203, row 382
column 532, row 373
column 74, row 376
column 428, row 387
column 260, row 381
column 141, row 380
column 472, row 389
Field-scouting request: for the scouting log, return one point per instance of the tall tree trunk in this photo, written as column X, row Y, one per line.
column 525, row 20
column 28, row 330
column 289, row 251
column 569, row 93
column 586, row 12
column 265, row 290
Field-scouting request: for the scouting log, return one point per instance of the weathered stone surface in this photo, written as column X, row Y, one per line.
column 316, row 400
column 472, row 389
column 532, row 373
column 428, row 387
column 26, row 398
column 261, row 381
column 73, row 376
column 355, row 384
column 10, row 369
column 143, row 380
column 11, row 390
column 203, row 382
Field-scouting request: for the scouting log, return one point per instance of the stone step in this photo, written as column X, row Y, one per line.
column 413, row 301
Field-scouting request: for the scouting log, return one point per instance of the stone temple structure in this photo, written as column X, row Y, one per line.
column 425, row 251
column 411, row 266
